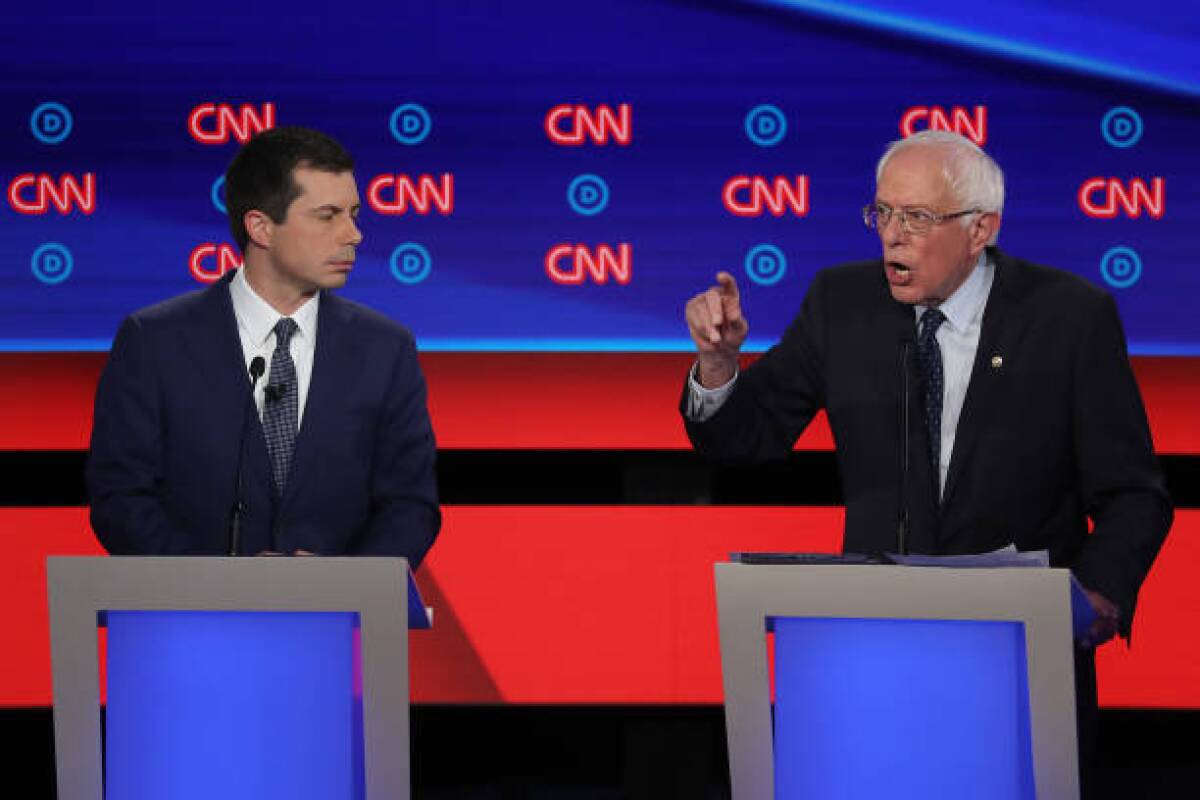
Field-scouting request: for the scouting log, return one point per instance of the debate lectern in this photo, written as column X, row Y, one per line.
column 232, row 677
column 898, row 682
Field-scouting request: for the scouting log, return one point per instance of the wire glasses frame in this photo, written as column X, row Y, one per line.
column 915, row 221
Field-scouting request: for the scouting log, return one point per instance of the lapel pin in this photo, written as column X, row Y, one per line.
column 997, row 362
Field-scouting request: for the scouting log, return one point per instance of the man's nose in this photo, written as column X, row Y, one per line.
column 893, row 232
column 355, row 236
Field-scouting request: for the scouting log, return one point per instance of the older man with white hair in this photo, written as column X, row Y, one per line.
column 1026, row 424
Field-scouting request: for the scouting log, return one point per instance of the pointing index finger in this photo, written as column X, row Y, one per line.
column 729, row 287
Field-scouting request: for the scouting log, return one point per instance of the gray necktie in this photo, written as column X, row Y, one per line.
column 281, row 407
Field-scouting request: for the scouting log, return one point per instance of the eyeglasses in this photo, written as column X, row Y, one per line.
column 915, row 221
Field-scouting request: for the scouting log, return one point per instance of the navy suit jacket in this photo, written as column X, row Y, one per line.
column 1052, row 433
column 170, row 410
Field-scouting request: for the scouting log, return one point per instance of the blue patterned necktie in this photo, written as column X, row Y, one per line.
column 929, row 357
column 282, row 404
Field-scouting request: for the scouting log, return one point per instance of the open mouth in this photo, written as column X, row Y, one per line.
column 898, row 273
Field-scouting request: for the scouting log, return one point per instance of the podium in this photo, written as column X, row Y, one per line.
column 897, row 682
column 232, row 677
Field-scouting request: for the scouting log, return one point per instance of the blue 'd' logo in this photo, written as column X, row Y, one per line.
column 1121, row 267
column 410, row 263
column 766, row 125
column 588, row 195
column 1121, row 127
column 410, row 124
column 52, row 263
column 217, row 194
column 51, row 123
column 766, row 264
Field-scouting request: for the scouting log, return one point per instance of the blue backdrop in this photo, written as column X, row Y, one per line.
column 714, row 90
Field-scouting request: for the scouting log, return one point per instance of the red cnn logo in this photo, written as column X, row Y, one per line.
column 224, row 257
column 1104, row 198
column 581, row 262
column 422, row 197
column 570, row 125
column 216, row 123
column 750, row 196
column 969, row 123
column 34, row 194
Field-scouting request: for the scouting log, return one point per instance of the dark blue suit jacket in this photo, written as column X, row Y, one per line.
column 169, row 417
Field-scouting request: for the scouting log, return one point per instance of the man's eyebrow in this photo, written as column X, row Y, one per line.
column 335, row 207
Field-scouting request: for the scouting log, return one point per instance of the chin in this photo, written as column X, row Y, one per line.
column 335, row 281
column 906, row 294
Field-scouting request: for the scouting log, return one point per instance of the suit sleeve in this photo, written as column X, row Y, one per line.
column 1123, row 487
column 404, row 513
column 125, row 460
column 775, row 398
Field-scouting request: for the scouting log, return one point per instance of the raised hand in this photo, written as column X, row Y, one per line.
column 715, row 322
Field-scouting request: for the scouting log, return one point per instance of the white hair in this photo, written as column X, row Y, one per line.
column 974, row 178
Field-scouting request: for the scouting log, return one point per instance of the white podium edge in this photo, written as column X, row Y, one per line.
column 79, row 587
column 1040, row 599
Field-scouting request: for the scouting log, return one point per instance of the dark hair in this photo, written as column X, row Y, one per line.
column 260, row 176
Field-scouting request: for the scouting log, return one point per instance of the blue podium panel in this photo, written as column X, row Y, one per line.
column 870, row 708
column 205, row 704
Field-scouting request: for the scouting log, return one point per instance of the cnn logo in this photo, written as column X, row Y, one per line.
column 573, row 125
column 398, row 194
column 1106, row 198
column 217, row 123
column 574, row 264
column 971, row 123
column 35, row 194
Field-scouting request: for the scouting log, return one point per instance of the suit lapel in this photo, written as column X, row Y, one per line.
column 997, row 339
column 212, row 343
column 213, row 346
column 334, row 360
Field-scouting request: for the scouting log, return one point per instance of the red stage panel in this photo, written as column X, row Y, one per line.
column 1162, row 666
column 46, row 399
column 27, row 536
column 589, row 604
column 616, row 605
column 597, row 604
column 519, row 400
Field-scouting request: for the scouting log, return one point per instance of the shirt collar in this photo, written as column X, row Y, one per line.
column 968, row 300
column 258, row 317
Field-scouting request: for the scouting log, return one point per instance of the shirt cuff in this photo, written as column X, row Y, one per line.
column 702, row 402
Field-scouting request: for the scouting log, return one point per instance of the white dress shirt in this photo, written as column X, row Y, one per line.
column 958, row 338
column 256, row 330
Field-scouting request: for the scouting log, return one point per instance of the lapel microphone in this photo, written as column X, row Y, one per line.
column 258, row 365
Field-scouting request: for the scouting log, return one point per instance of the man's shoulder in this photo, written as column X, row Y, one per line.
column 176, row 310
column 866, row 272
column 851, row 281
column 1037, row 285
column 367, row 322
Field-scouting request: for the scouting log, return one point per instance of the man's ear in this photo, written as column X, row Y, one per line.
column 259, row 228
column 984, row 230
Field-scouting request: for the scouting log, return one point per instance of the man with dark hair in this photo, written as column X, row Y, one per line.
column 331, row 452
column 260, row 176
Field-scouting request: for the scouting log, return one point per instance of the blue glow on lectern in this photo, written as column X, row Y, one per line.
column 231, row 705
column 871, row 708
